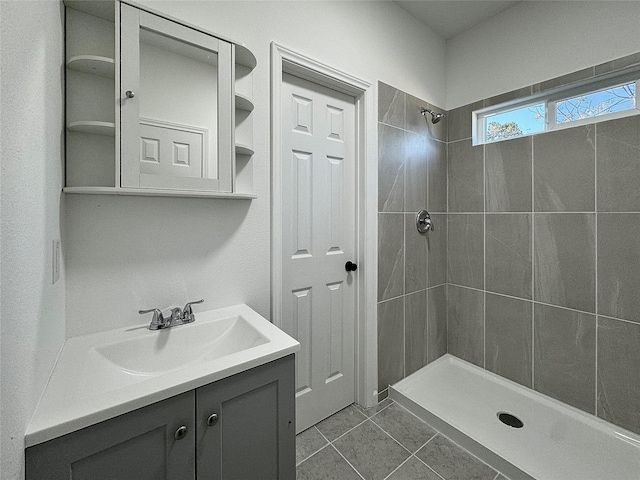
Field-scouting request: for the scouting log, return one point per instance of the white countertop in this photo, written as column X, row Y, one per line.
column 88, row 386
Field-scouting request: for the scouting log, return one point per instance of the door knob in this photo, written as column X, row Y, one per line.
column 350, row 266
column 130, row 94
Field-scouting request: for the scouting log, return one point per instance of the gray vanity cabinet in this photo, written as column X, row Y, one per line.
column 138, row 445
column 252, row 432
column 241, row 427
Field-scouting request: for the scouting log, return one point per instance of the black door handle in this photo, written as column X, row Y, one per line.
column 350, row 266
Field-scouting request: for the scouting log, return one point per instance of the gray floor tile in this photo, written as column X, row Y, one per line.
column 406, row 428
column 308, row 442
column 372, row 452
column 414, row 469
column 452, row 462
column 369, row 412
column 341, row 422
column 326, row 464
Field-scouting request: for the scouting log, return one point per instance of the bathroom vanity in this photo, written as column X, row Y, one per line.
column 125, row 404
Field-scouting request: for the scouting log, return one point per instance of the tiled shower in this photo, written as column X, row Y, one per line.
column 542, row 257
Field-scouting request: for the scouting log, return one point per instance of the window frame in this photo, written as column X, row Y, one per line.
column 552, row 97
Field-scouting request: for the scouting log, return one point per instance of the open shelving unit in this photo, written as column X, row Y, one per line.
column 93, row 113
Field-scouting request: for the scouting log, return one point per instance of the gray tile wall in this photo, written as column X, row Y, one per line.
column 544, row 257
column 412, row 268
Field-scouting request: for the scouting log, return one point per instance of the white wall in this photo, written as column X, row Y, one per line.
column 534, row 41
column 33, row 314
column 124, row 254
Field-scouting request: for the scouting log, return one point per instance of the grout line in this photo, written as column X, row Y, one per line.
column 484, row 256
column 398, row 467
column 533, row 267
column 595, row 170
column 348, row 462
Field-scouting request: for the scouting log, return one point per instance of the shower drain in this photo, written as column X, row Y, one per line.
column 509, row 419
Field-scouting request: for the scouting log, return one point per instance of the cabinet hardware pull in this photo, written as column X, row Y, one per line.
column 180, row 433
column 212, row 420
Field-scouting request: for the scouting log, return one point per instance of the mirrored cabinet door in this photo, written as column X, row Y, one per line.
column 176, row 106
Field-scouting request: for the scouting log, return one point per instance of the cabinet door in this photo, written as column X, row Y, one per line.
column 254, row 435
column 139, row 445
column 176, row 105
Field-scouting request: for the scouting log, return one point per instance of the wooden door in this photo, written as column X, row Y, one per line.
column 318, row 238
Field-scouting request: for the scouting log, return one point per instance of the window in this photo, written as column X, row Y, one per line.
column 597, row 99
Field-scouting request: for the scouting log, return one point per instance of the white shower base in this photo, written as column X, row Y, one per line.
column 557, row 442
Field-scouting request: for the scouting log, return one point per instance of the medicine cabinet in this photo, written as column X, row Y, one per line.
column 154, row 106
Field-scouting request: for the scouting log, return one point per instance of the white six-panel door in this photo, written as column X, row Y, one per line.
column 318, row 238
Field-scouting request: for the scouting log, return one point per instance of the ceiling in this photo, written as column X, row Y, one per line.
column 451, row 17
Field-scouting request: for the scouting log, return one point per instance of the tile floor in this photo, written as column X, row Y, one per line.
column 384, row 442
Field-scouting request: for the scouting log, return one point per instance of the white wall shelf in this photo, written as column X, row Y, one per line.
column 157, row 192
column 244, row 149
column 94, row 64
column 243, row 103
column 108, row 129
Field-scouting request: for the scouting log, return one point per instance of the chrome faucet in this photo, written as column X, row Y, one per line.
column 178, row 316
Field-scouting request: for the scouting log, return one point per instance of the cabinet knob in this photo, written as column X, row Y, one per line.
column 350, row 266
column 180, row 433
column 212, row 420
column 130, row 94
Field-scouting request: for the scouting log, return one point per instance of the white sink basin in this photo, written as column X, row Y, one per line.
column 161, row 351
column 109, row 373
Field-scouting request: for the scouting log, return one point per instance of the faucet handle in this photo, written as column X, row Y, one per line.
column 187, row 308
column 157, row 321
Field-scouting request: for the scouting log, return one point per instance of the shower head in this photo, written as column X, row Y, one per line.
column 435, row 116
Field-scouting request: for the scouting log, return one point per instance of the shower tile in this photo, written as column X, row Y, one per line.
column 413, row 469
column 564, row 270
column 564, row 170
column 371, row 451
column 417, row 149
column 437, row 177
column 415, row 267
column 618, row 64
column 437, row 251
column 466, row 177
column 340, row 423
column 618, row 373
column 452, row 462
column 390, row 255
column 465, row 325
column 466, row 250
column 459, row 121
column 509, row 338
column 564, row 355
column 391, row 168
column 618, row 155
column 327, row 464
column 416, row 332
column 619, row 265
column 407, row 429
column 391, row 105
column 563, row 80
column 437, row 322
column 505, row 97
column 308, row 443
column 508, row 175
column 390, row 342
column 508, row 254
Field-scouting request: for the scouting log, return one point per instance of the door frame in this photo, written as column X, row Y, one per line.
column 285, row 60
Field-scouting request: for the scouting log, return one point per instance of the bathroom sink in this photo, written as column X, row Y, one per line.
column 156, row 352
column 105, row 374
